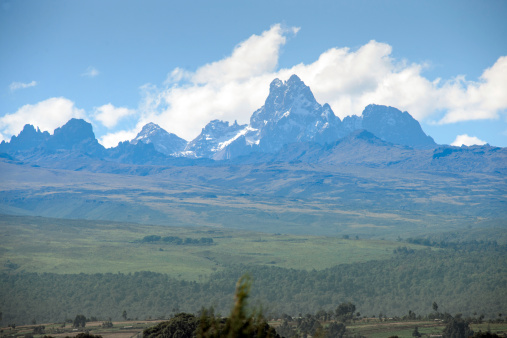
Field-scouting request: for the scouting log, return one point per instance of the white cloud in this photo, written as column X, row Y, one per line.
column 112, row 139
column 485, row 99
column 109, row 115
column 234, row 87
column 20, row 85
column 253, row 57
column 229, row 89
column 465, row 140
column 47, row 115
column 90, row 72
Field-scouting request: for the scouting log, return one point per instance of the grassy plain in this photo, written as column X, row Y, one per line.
column 37, row 244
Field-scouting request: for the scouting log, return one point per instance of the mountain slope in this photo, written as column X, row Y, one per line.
column 390, row 124
column 214, row 137
column 163, row 141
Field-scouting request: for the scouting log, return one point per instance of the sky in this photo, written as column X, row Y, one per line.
column 120, row 64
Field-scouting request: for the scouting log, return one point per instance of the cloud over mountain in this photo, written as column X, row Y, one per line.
column 465, row 140
column 232, row 88
column 47, row 115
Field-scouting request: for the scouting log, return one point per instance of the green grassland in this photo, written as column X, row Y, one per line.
column 36, row 244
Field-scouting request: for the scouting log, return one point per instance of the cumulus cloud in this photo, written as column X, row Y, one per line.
column 109, row 115
column 348, row 79
column 465, row 140
column 47, row 115
column 229, row 89
column 112, row 139
column 469, row 100
column 90, row 72
column 234, row 87
column 21, row 85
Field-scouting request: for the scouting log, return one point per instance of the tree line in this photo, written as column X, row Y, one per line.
column 177, row 240
column 460, row 281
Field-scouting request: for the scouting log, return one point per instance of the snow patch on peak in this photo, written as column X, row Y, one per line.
column 225, row 143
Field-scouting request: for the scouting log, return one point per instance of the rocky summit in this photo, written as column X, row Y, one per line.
column 292, row 114
column 163, row 141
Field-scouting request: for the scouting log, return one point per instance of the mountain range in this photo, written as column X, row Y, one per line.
column 290, row 126
column 295, row 167
column 290, row 114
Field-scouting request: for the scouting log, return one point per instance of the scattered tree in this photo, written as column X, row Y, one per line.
column 79, row 321
column 416, row 333
column 457, row 328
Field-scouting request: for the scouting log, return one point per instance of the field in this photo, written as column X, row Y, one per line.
column 36, row 244
column 369, row 327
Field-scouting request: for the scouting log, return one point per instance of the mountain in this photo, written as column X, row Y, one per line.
column 28, row 138
column 214, row 137
column 292, row 114
column 390, row 124
column 75, row 136
column 163, row 141
column 289, row 114
column 290, row 118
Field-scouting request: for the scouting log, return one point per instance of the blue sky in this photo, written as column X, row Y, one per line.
column 121, row 64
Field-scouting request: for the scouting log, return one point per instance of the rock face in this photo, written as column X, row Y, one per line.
column 291, row 114
column 395, row 126
column 214, row 137
column 76, row 136
column 27, row 139
column 163, row 141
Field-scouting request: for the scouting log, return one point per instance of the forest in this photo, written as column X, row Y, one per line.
column 469, row 281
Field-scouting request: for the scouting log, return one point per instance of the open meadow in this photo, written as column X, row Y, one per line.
column 37, row 244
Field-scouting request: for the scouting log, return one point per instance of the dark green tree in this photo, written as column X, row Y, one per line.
column 416, row 333
column 345, row 312
column 87, row 335
column 39, row 329
column 79, row 321
column 183, row 325
column 124, row 314
column 335, row 330
column 457, row 328
column 435, row 306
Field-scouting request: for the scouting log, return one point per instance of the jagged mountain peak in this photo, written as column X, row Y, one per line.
column 291, row 97
column 74, row 132
column 148, row 130
column 214, row 137
column 218, row 126
column 28, row 138
column 76, row 127
column 163, row 141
